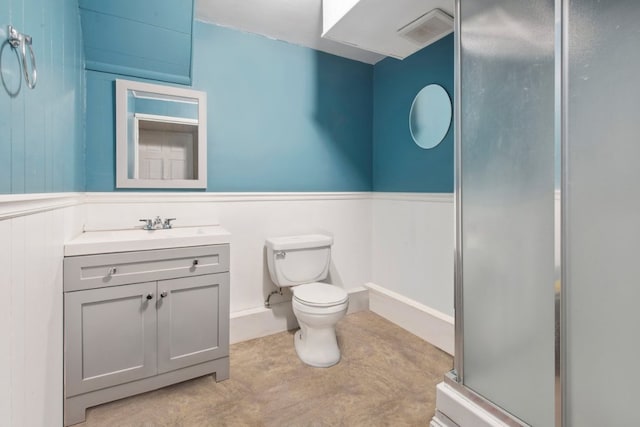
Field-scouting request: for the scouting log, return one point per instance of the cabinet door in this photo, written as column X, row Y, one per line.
column 110, row 336
column 193, row 320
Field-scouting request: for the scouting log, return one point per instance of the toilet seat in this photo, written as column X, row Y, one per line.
column 318, row 294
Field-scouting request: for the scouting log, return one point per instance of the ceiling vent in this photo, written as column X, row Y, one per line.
column 373, row 24
column 428, row 28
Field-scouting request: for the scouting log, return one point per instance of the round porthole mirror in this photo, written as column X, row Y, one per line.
column 430, row 116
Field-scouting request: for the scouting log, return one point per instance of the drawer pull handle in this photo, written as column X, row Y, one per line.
column 149, row 296
column 163, row 294
column 112, row 271
column 195, row 262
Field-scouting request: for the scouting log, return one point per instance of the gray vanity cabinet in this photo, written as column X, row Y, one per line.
column 124, row 337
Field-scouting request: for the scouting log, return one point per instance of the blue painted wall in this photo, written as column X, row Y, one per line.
column 280, row 117
column 283, row 117
column 399, row 165
column 41, row 130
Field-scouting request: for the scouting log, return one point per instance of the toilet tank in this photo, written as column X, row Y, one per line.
column 295, row 260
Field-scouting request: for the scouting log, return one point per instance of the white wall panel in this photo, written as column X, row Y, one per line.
column 412, row 247
column 252, row 218
column 38, row 303
column 17, row 325
column 31, row 347
column 5, row 322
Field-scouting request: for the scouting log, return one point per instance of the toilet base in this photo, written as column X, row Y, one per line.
column 316, row 342
column 317, row 348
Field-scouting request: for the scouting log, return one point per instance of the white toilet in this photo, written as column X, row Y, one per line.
column 300, row 262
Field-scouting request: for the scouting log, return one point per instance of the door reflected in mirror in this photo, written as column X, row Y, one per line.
column 430, row 116
column 161, row 136
column 163, row 149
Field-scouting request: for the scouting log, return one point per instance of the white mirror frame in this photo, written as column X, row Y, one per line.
column 122, row 177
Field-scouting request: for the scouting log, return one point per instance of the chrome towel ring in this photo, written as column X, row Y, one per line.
column 22, row 41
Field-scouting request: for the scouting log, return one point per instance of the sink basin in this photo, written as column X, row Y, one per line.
column 101, row 242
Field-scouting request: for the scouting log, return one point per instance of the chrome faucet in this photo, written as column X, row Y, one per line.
column 153, row 224
column 148, row 224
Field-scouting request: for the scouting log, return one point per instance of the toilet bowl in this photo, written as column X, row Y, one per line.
column 300, row 262
column 318, row 310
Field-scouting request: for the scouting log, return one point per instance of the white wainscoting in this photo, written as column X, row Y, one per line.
column 33, row 230
column 401, row 242
column 251, row 218
column 413, row 247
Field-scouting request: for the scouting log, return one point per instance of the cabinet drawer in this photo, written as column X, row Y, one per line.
column 97, row 271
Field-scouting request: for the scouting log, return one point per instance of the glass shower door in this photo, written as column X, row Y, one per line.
column 507, row 194
column 603, row 212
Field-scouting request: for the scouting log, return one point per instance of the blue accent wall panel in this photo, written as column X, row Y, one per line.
column 143, row 38
column 42, row 130
column 399, row 165
column 176, row 15
column 280, row 117
column 101, row 134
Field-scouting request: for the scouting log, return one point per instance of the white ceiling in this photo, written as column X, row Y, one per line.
column 294, row 21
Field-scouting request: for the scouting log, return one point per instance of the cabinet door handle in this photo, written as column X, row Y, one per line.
column 163, row 294
column 149, row 296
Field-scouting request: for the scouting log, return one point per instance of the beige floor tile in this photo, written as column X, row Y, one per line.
column 386, row 377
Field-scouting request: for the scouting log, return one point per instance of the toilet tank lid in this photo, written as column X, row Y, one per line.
column 299, row 242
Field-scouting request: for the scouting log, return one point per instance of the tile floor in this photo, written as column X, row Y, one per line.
column 387, row 377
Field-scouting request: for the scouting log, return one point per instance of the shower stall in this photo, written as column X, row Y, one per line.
column 548, row 214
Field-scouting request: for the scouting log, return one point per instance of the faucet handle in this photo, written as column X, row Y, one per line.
column 167, row 222
column 148, row 224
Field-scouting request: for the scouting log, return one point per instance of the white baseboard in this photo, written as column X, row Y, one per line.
column 259, row 322
column 429, row 324
column 441, row 420
column 455, row 409
column 358, row 299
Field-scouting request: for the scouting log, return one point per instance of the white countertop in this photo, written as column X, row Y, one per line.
column 101, row 242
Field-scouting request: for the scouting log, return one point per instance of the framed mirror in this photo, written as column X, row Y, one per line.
column 430, row 116
column 161, row 136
